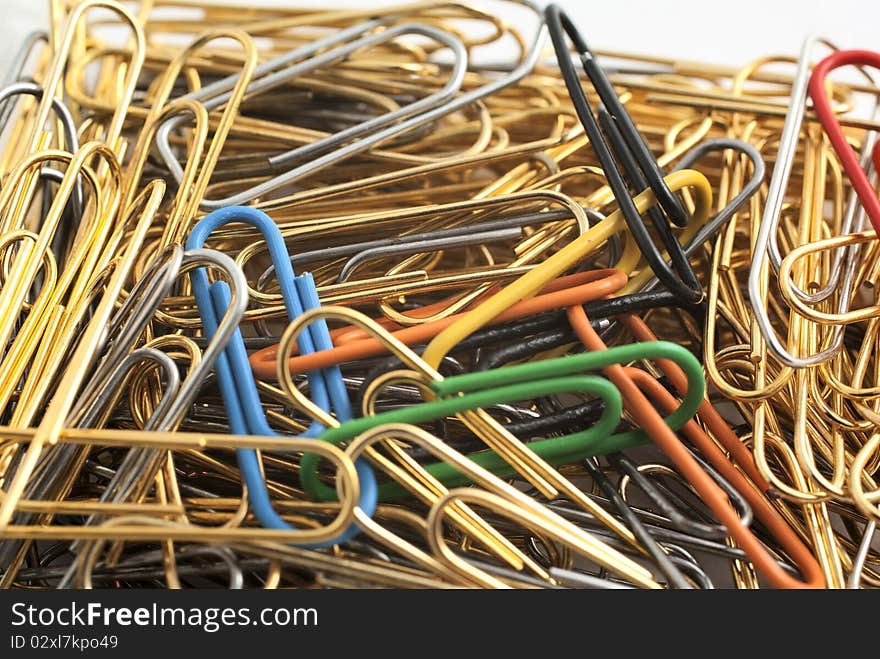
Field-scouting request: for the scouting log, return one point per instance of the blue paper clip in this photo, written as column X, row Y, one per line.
column 236, row 379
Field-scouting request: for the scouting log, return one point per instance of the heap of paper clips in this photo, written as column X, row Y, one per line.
column 432, row 295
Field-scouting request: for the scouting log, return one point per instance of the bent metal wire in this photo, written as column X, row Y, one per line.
column 592, row 320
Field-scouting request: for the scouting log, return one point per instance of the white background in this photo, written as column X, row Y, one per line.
column 718, row 31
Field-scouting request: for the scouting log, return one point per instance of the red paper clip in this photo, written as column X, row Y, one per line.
column 857, row 176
